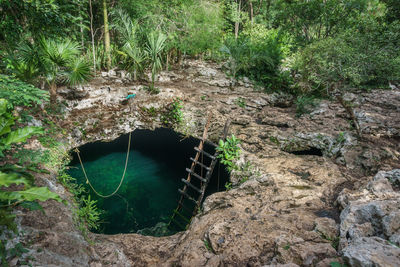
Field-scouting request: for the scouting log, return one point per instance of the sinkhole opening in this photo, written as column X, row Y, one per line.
column 311, row 151
column 149, row 193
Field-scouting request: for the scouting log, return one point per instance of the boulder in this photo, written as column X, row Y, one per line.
column 371, row 251
column 370, row 220
column 76, row 93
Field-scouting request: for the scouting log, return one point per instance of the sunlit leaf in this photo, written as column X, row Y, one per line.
column 21, row 135
column 7, row 179
column 32, row 194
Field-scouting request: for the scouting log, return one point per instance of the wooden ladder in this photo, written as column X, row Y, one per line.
column 198, row 187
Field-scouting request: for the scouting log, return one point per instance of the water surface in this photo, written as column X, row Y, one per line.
column 149, row 192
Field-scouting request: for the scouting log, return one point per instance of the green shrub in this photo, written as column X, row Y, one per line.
column 366, row 56
column 154, row 47
column 88, row 213
column 12, row 175
column 19, row 93
column 16, row 183
column 25, row 193
column 131, row 53
column 202, row 24
column 229, row 151
column 311, row 20
column 257, row 54
column 173, row 115
column 304, row 104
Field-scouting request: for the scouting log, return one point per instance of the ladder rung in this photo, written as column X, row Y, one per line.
column 187, row 196
column 180, row 215
column 178, row 224
column 205, row 153
column 190, row 185
column 201, row 164
column 185, row 208
column 209, row 142
column 196, row 175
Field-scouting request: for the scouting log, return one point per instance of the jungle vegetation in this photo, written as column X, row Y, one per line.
column 308, row 48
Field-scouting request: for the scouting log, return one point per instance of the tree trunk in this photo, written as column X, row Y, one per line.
column 81, row 27
column 106, row 35
column 251, row 11
column 53, row 94
column 167, row 61
column 350, row 111
column 92, row 35
column 237, row 22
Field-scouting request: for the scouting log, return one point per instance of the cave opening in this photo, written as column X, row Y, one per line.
column 311, row 151
column 149, row 192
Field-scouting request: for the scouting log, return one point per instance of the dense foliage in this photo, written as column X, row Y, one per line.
column 302, row 46
column 19, row 93
column 17, row 180
column 310, row 48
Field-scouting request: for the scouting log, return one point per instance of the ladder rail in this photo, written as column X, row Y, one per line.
column 201, row 144
column 191, row 172
column 209, row 173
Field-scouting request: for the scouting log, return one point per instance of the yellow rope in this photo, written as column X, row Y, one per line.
column 123, row 175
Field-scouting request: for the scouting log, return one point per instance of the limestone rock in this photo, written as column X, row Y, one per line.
column 328, row 227
column 371, row 251
column 277, row 215
column 368, row 220
column 392, row 176
column 76, row 93
column 281, row 100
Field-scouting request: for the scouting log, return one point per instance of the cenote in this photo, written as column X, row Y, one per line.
column 149, row 193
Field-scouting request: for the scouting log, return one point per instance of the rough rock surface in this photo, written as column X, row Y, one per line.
column 370, row 222
column 282, row 214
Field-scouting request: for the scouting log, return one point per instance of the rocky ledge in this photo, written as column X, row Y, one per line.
column 370, row 222
column 309, row 195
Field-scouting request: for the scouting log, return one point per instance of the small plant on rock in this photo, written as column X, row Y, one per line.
column 228, row 186
column 173, row 115
column 89, row 214
column 229, row 151
column 240, row 102
column 304, row 105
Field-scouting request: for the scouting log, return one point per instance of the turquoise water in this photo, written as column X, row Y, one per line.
column 149, row 192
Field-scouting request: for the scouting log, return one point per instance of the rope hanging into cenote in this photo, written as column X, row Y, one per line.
column 123, row 175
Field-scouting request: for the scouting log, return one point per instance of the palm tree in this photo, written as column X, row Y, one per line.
column 134, row 58
column 155, row 45
column 61, row 63
column 58, row 62
column 133, row 55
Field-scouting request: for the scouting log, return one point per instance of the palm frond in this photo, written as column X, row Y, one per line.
column 125, row 25
column 155, row 43
column 58, row 52
column 28, row 54
column 78, row 71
